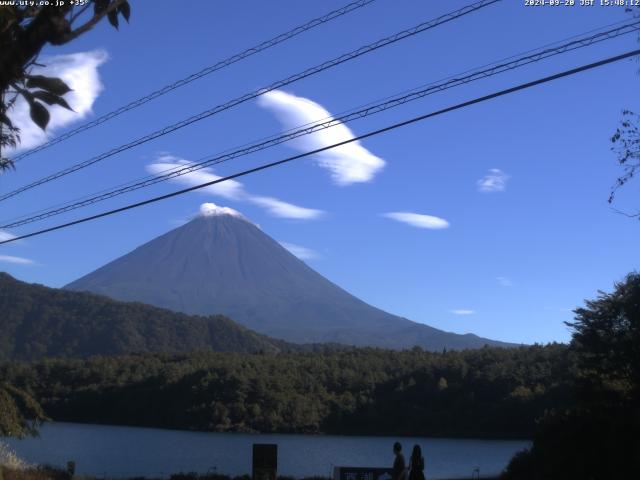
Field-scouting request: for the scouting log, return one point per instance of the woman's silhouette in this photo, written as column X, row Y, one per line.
column 416, row 464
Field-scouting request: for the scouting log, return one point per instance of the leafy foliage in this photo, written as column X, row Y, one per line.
column 9, row 137
column 597, row 435
column 55, row 86
column 626, row 140
column 607, row 339
column 626, row 144
column 20, row 414
column 24, row 31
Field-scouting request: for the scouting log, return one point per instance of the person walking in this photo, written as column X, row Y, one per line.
column 416, row 464
column 399, row 471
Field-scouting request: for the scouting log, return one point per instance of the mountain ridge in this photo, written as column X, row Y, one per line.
column 38, row 321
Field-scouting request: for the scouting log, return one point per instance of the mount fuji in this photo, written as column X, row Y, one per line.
column 221, row 263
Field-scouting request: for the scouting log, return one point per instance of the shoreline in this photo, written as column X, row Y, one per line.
column 307, row 434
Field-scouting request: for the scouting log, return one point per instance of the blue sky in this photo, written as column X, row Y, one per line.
column 518, row 186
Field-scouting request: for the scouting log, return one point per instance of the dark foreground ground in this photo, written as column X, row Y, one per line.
column 51, row 473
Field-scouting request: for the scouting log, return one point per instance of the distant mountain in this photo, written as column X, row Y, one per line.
column 37, row 322
column 222, row 263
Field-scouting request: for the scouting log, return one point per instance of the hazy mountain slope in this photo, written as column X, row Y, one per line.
column 222, row 263
column 36, row 322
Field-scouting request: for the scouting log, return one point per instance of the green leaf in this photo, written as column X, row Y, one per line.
column 51, row 99
column 125, row 10
column 39, row 114
column 113, row 18
column 51, row 84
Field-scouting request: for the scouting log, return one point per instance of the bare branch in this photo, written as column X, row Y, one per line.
column 628, row 215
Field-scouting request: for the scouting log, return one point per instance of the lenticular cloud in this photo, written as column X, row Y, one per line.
column 418, row 220
column 229, row 189
column 350, row 163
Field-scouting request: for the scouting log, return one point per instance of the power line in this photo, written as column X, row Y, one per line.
column 256, row 93
column 395, row 126
column 283, row 37
column 370, row 109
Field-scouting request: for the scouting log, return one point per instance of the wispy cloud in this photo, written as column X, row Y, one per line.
column 350, row 163
column 463, row 311
column 231, row 189
column 303, row 253
column 80, row 73
column 278, row 208
column 418, row 220
column 494, row 181
column 504, row 282
column 6, row 236
column 16, row 260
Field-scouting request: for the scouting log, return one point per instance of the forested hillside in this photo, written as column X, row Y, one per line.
column 37, row 322
column 487, row 392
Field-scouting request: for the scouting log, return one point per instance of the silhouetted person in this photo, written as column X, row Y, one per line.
column 399, row 467
column 416, row 464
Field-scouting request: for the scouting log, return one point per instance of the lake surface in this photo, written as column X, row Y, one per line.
column 109, row 451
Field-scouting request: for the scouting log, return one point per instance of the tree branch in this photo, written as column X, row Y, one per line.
column 628, row 215
column 91, row 23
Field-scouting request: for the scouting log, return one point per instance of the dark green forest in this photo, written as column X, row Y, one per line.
column 37, row 322
column 489, row 392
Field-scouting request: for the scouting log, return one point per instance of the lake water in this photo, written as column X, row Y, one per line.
column 109, row 451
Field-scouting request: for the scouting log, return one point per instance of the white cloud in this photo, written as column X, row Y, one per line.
column 494, row 181
column 303, row 253
column 463, row 311
column 4, row 235
column 80, row 73
column 504, row 282
column 16, row 260
column 418, row 220
column 350, row 163
column 211, row 210
column 278, row 208
column 230, row 189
